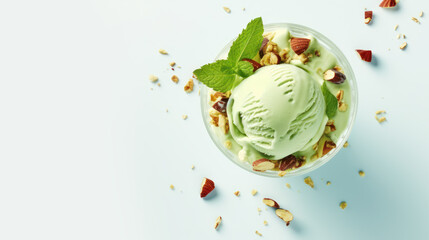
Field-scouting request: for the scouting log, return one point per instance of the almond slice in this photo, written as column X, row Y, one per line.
column 388, row 3
column 368, row 17
column 285, row 215
column 263, row 165
column 207, row 186
column 334, row 76
column 270, row 203
column 365, row 55
column 218, row 221
column 299, row 45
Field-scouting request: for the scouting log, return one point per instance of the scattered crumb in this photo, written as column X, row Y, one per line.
column 227, row 9
column 185, row 117
column 328, row 183
column 172, row 64
column 403, row 36
column 403, row 45
column 309, row 181
column 415, row 19
column 361, row 173
column 281, row 173
column 421, row 14
column 172, row 187
column 288, row 185
column 192, row 167
column 396, row 27
column 343, row 205
column 228, row 144
column 199, row 91
column 260, row 234
column 218, row 221
column 265, row 222
column 166, row 110
column 398, row 36
column 244, row 9
column 159, row 84
column 254, row 192
column 382, row 119
column 153, row 78
column 380, row 112
column 162, row 51
column 237, row 193
column 189, row 86
column 175, row 79
column 259, row 211
column 346, row 144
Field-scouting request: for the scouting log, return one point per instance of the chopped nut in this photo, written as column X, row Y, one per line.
column 361, row 173
column 184, row 116
column 228, row 144
column 254, row 192
column 237, row 193
column 415, row 19
column 189, row 86
column 396, row 27
column 172, row 187
column 328, row 183
column 317, row 53
column 403, row 45
column 218, row 221
column 309, row 182
column 421, row 14
column 175, row 79
column 343, row 204
column 270, row 59
column 172, row 64
column 302, row 57
column 223, row 123
column 268, row 46
column 398, row 36
column 158, row 84
column 342, row 107
column 192, row 167
column 162, row 51
column 265, row 222
column 403, row 36
column 285, row 215
column 153, row 78
column 346, row 144
column 380, row 112
column 281, row 173
column 382, row 119
column 340, row 95
column 288, row 185
column 284, row 55
column 258, row 233
column 227, row 9
column 270, row 203
column 259, row 210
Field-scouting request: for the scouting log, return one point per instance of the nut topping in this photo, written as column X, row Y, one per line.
column 218, row 221
column 334, row 76
column 270, row 59
column 285, row 215
column 299, row 45
column 207, row 186
column 263, row 165
column 270, row 203
column 287, row 162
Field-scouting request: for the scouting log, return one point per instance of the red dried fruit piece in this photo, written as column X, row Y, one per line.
column 365, row 55
column 254, row 63
column 261, row 50
column 334, row 76
column 206, row 187
column 220, row 105
column 263, row 165
column 368, row 17
column 287, row 162
column 299, row 45
column 388, row 3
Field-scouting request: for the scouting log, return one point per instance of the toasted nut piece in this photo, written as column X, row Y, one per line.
column 223, row 123
column 192, row 167
column 317, row 53
column 153, row 78
column 380, row 112
column 340, row 95
column 268, row 46
column 189, row 86
column 254, row 63
column 172, row 187
column 270, row 59
column 206, row 187
column 328, row 183
column 331, row 126
column 288, row 185
column 343, row 205
column 174, row 78
column 265, row 222
column 395, row 27
column 342, row 107
column 237, row 193
column 361, row 173
column 258, row 233
column 284, row 55
column 329, row 145
column 421, row 14
column 172, row 64
column 334, row 76
column 388, row 3
column 415, row 19
column 285, row 215
column 228, row 144
column 254, row 192
column 368, row 17
column 162, row 51
column 287, row 162
column 382, row 119
column 403, row 45
column 227, row 10
column 218, row 221
column 346, row 144
column 365, row 55
column 270, row 203
column 263, row 165
column 220, row 105
column 184, row 116
column 309, row 181
column 299, row 45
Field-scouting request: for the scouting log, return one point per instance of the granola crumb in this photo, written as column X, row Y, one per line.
column 288, row 185
column 189, row 86
column 218, row 221
column 396, row 27
column 258, row 233
column 192, row 167
column 265, row 222
column 309, row 181
column 343, row 205
column 175, row 79
column 153, row 78
column 421, row 14
column 184, row 116
column 415, row 19
column 172, row 64
column 361, row 173
column 237, row 193
column 172, row 187
column 227, row 10
column 346, row 144
column 228, row 144
column 254, row 192
column 328, row 183
column 403, row 45
column 162, row 51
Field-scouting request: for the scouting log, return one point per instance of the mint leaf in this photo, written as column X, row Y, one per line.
column 248, row 42
column 330, row 101
column 244, row 69
column 219, row 75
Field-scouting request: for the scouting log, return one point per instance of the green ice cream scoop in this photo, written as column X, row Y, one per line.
column 277, row 111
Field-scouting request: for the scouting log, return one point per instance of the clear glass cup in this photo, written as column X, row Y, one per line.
column 297, row 31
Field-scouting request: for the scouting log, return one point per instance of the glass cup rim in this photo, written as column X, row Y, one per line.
column 296, row 30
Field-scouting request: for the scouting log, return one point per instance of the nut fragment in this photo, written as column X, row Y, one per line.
column 309, row 181
column 346, row 144
column 395, row 27
column 153, row 78
column 162, row 51
column 258, row 233
column 284, row 55
column 228, row 144
column 281, row 173
column 288, row 185
column 207, row 186
column 270, row 58
column 227, row 10
column 172, row 187
column 172, row 64
column 361, row 173
column 220, row 105
column 421, row 14
column 285, row 215
column 270, row 203
column 254, row 192
column 334, row 76
column 382, row 119
column 368, row 17
column 299, row 45
column 223, row 123
column 174, row 78
column 218, row 221
column 415, row 19
column 189, row 86
column 268, row 46
column 365, row 55
column 340, row 95
column 184, row 116
column 342, row 106
column 380, row 112
column 265, row 222
column 287, row 162
column 403, row 45
column 343, row 205
column 237, row 193
column 263, row 165
column 388, row 3
column 328, row 183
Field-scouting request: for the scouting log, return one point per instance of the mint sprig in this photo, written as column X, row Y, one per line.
column 223, row 75
column 330, row 101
